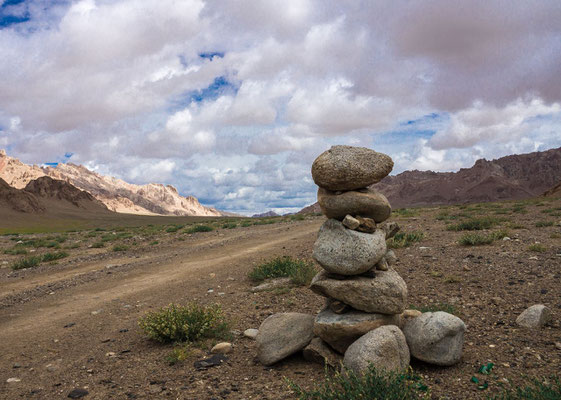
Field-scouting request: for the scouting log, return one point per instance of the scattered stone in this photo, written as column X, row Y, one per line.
column 338, row 307
column 342, row 251
column 350, row 222
column 69, row 325
column 382, row 265
column 272, row 284
column 212, row 361
column 407, row 316
column 535, row 316
column 341, row 330
column 319, row 352
column 384, row 347
column 348, row 168
column 77, row 393
column 367, row 225
column 390, row 257
column 251, row 333
column 385, row 294
column 16, row 365
column 506, row 238
column 391, row 228
column 435, row 337
column 222, row 348
column 558, row 345
column 13, row 380
column 367, row 203
column 283, row 334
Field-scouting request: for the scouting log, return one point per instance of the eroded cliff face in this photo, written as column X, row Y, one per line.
column 116, row 194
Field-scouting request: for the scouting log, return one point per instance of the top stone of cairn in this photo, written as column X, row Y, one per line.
column 350, row 168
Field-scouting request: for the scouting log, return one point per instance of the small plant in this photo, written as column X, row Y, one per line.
column 297, row 217
column 406, row 212
column 245, row 224
column 403, row 239
column 450, row 309
column 199, row 228
column 15, row 251
column 452, row 279
column 98, row 245
column 174, row 228
column 301, row 272
column 555, row 235
column 536, row 390
column 154, row 242
column 229, row 225
column 373, row 384
column 475, row 224
column 475, row 239
column 47, row 257
column 541, row 224
column 72, row 246
column 188, row 323
column 537, row 247
column 178, row 355
column 28, row 262
column 120, row 247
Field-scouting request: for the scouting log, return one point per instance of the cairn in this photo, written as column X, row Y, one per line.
column 365, row 319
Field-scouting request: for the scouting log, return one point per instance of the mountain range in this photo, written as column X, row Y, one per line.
column 116, row 194
column 508, row 178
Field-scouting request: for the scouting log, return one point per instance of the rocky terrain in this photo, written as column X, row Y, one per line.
column 116, row 194
column 513, row 177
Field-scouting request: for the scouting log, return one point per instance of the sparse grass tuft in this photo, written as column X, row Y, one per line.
column 476, row 239
column 98, row 245
column 450, row 309
column 301, row 272
column 537, row 247
column 536, row 390
column 406, row 212
column 174, row 228
column 372, row 384
column 229, row 225
column 15, row 251
column 475, row 224
column 199, row 228
column 189, row 323
column 541, row 224
column 28, row 262
column 404, row 239
column 54, row 256
column 120, row 247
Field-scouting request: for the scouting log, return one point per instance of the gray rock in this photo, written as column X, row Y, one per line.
column 272, row 284
column 435, row 337
column 341, row 330
column 338, row 307
column 349, row 167
column 535, row 316
column 319, row 352
column 385, row 294
column 366, row 225
column 384, row 347
column 391, row 228
column 351, row 222
column 390, row 257
column 346, row 252
column 367, row 203
column 407, row 316
column 281, row 335
column 251, row 333
column 382, row 265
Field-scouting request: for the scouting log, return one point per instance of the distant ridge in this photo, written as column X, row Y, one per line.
column 116, row 194
column 265, row 214
column 508, row 178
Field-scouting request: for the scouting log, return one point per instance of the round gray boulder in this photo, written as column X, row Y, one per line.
column 435, row 337
column 347, row 252
column 384, row 347
column 535, row 316
column 283, row 334
column 341, row 330
column 384, row 294
column 367, row 203
column 349, row 168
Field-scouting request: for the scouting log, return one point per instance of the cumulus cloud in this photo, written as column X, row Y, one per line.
column 231, row 101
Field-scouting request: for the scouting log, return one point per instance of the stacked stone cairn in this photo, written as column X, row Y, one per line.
column 365, row 319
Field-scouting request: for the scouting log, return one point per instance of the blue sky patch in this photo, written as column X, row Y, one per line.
column 211, row 54
column 220, row 86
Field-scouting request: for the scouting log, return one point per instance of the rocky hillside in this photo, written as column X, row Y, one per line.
column 13, row 199
column 116, row 194
column 512, row 177
column 555, row 191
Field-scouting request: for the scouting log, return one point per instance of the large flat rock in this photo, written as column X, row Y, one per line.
column 349, row 168
column 346, row 252
column 367, row 203
column 385, row 294
column 341, row 330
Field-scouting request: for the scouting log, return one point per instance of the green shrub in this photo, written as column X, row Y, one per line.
column 188, row 323
column 404, row 239
column 475, row 224
column 72, row 246
column 28, row 262
column 537, row 247
column 229, row 225
column 54, row 256
column 406, row 212
column 297, row 217
column 174, row 228
column 373, row 384
column 15, row 251
column 536, row 390
column 301, row 272
column 245, row 224
column 199, row 228
column 541, row 224
column 98, row 245
column 120, row 247
column 154, row 242
column 475, row 239
column 450, row 309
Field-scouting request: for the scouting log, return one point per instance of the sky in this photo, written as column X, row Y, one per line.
column 232, row 100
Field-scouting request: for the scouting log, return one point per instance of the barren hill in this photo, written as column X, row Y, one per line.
column 511, row 177
column 116, row 194
column 12, row 199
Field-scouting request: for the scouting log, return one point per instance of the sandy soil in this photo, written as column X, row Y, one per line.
column 74, row 324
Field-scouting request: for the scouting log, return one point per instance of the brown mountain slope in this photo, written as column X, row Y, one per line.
column 12, row 199
column 555, row 191
column 511, row 177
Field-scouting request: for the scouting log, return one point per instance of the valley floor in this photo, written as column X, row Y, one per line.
column 74, row 323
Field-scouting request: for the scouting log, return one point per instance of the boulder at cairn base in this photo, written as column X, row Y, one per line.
column 346, row 252
column 384, row 347
column 435, row 337
column 319, row 352
column 367, row 203
column 534, row 317
column 349, row 168
column 281, row 335
column 341, row 330
column 384, row 294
